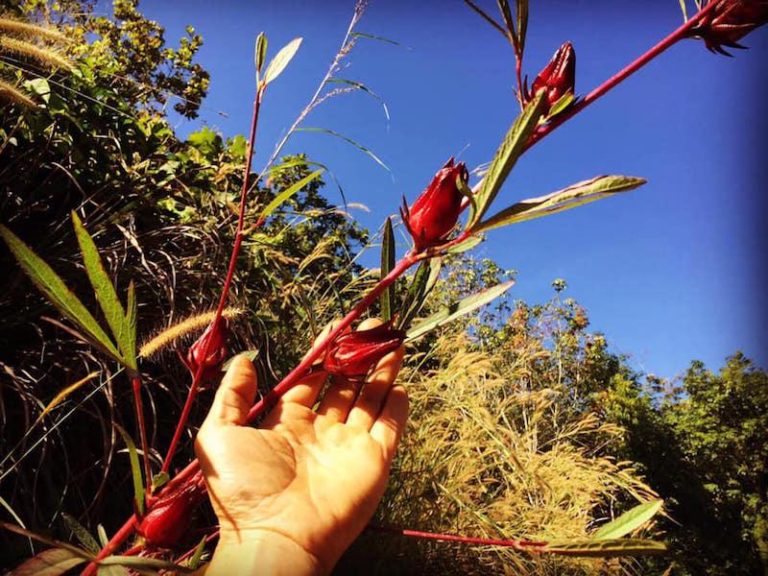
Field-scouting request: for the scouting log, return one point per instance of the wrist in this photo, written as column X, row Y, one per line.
column 263, row 551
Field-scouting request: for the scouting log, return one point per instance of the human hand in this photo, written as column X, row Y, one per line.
column 292, row 495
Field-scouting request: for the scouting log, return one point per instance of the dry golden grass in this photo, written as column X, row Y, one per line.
column 483, row 456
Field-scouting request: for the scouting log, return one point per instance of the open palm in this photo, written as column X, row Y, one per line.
column 314, row 478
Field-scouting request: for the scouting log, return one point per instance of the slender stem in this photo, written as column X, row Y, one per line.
column 182, row 423
column 528, row 545
column 139, row 407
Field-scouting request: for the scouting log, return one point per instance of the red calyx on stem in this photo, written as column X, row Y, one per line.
column 729, row 22
column 216, row 348
column 353, row 353
column 557, row 78
column 436, row 211
column 166, row 522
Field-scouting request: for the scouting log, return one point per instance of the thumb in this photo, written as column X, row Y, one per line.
column 235, row 396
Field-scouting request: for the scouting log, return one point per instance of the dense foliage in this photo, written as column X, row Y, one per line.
column 572, row 432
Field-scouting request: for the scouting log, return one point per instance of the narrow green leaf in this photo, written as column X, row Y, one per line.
column 194, row 561
column 288, row 193
column 460, row 308
column 467, row 244
column 281, row 60
column 606, row 548
column 563, row 103
column 629, row 521
column 362, row 87
column 506, row 156
column 387, row 298
column 466, row 191
column 522, row 23
column 684, row 8
column 113, row 571
column 418, row 290
column 373, row 37
column 360, row 147
column 250, row 354
column 138, row 479
column 53, row 287
column 51, row 562
column 139, row 562
column 83, row 536
column 102, row 534
column 106, row 295
column 131, row 321
column 509, row 22
column 260, row 52
column 45, row 540
column 159, row 480
column 575, row 195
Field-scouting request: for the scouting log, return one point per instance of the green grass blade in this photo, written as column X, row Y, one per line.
column 53, row 287
column 286, row 194
column 83, row 536
column 106, row 295
column 362, row 87
column 357, row 145
column 606, row 548
column 131, row 321
column 506, row 156
column 629, row 521
column 138, row 481
column 387, row 298
column 281, row 60
column 575, row 195
column 458, row 309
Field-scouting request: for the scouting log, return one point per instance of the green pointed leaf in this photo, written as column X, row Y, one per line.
column 466, row 191
column 281, row 60
column 575, row 195
column 362, row 87
column 46, row 540
column 142, row 562
column 250, row 354
column 563, row 103
column 360, row 147
column 131, row 321
column 159, row 480
column 113, row 571
column 387, row 298
column 106, row 295
column 522, row 23
column 138, row 479
column 286, row 194
column 466, row 244
column 194, row 561
column 373, row 37
column 458, row 309
column 629, row 521
column 421, row 285
column 509, row 22
column 53, row 287
column 606, row 548
column 260, row 52
column 51, row 562
column 83, row 536
column 507, row 155
column 102, row 534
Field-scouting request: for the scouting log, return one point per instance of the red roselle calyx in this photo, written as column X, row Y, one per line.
column 216, row 353
column 435, row 213
column 558, row 78
column 169, row 517
column 729, row 22
column 353, row 353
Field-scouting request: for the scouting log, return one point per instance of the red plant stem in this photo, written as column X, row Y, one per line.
column 182, row 423
column 138, row 405
column 680, row 33
column 528, row 545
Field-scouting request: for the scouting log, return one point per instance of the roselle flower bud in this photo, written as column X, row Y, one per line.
column 729, row 22
column 557, row 79
column 353, row 353
column 169, row 518
column 216, row 353
column 436, row 211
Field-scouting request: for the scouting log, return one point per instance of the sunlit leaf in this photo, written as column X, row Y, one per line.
column 281, row 60
column 131, row 320
column 194, row 561
column 509, row 21
column 83, row 536
column 53, row 287
column 138, row 480
column 522, row 23
column 113, row 571
column 422, row 283
column 51, row 562
column 606, row 548
column 360, row 147
column 286, row 194
column 458, row 309
column 387, row 298
column 61, row 396
column 466, row 244
column 102, row 534
column 629, row 521
column 260, row 52
column 507, row 155
column 576, row 195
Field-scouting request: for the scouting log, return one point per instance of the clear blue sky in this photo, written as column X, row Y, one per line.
column 671, row 272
